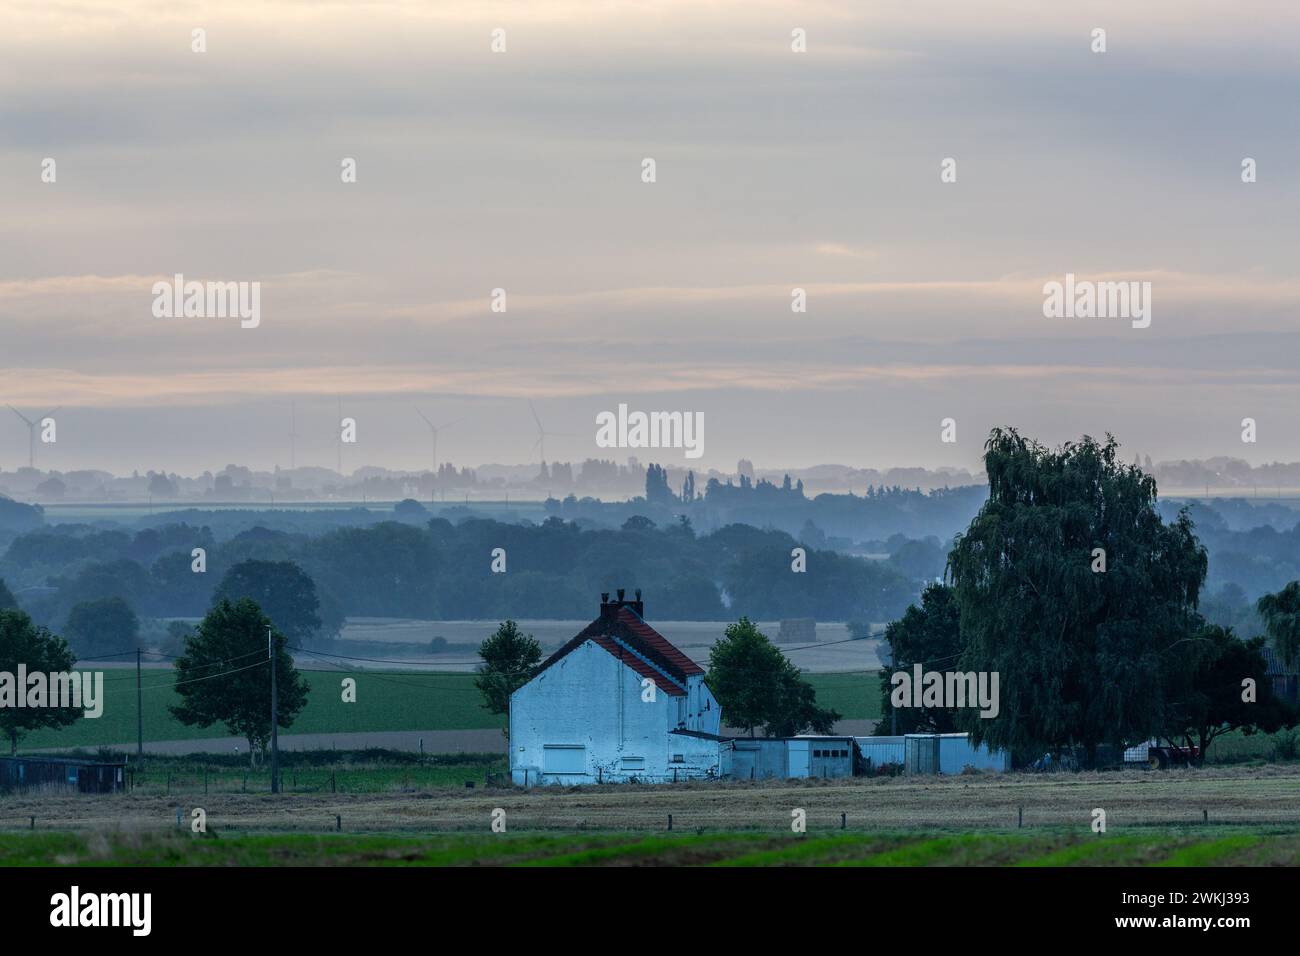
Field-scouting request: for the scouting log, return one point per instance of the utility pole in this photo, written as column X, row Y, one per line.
column 275, row 735
column 139, row 711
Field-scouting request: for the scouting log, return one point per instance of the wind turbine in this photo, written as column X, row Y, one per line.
column 31, row 432
column 435, row 429
column 293, row 435
column 542, row 432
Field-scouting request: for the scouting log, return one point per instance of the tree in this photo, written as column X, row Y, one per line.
column 757, row 686
column 510, row 658
column 102, row 628
column 1208, row 691
column 7, row 599
column 1079, row 651
column 23, row 642
column 282, row 590
column 657, row 491
column 920, row 560
column 1281, row 614
column 926, row 635
column 408, row 509
column 178, row 632
column 121, row 578
column 160, row 486
column 224, row 676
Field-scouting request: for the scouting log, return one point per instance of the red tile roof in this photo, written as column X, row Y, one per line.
column 625, row 635
column 641, row 667
column 654, row 639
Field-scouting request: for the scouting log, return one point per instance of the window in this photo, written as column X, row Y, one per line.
column 817, row 753
column 634, row 763
column 564, row 758
column 679, row 758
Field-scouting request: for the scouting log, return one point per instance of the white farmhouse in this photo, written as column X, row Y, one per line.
column 618, row 702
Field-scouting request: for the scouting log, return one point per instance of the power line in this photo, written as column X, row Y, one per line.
column 195, row 680
column 372, row 675
column 381, row 660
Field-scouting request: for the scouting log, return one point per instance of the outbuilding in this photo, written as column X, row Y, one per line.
column 950, row 754
column 61, row 773
column 784, row 758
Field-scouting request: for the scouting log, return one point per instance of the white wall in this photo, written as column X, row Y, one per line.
column 589, row 699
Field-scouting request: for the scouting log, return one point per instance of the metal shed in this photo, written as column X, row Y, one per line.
column 956, row 753
column 881, row 751
column 61, row 773
column 830, row 757
column 921, row 753
column 759, row 758
column 951, row 754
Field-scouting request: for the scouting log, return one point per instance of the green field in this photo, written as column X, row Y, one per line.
column 387, row 700
column 1221, row 846
column 313, row 771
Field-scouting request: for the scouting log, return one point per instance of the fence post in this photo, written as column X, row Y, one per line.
column 670, row 821
column 333, row 783
column 1020, row 822
column 844, row 821
column 338, row 822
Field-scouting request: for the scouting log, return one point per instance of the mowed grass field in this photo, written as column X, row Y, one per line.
column 386, row 701
column 1238, row 846
column 376, row 797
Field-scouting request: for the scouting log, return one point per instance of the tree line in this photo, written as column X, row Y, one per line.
column 435, row 569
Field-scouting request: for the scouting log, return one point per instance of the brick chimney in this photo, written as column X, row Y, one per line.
column 609, row 609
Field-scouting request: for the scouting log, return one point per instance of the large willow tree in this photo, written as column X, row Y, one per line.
column 1080, row 651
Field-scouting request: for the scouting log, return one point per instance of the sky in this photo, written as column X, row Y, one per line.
column 523, row 171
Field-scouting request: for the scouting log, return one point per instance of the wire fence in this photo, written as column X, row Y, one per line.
column 347, row 778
